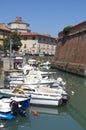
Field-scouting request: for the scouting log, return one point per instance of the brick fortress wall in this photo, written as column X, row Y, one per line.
column 72, row 48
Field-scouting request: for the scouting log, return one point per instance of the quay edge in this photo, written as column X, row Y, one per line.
column 76, row 69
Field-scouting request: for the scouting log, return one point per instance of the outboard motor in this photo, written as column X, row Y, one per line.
column 22, row 112
column 14, row 107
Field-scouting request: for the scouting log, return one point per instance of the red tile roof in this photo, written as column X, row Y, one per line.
column 3, row 27
column 35, row 34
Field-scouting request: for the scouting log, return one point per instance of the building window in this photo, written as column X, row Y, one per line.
column 33, row 38
column 33, row 45
column 43, row 39
column 39, row 39
column 25, row 38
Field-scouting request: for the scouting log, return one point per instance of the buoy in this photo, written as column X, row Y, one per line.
column 35, row 113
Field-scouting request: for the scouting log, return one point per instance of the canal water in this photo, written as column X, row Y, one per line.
column 69, row 117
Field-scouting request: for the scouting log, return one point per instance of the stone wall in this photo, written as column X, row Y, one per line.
column 75, row 29
column 71, row 49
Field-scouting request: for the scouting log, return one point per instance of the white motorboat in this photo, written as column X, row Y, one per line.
column 59, row 81
column 35, row 77
column 35, row 85
column 45, row 65
column 15, row 76
column 10, row 107
column 44, row 95
column 42, row 99
column 31, row 69
column 37, row 98
column 33, row 62
column 37, row 80
column 15, row 83
column 31, row 81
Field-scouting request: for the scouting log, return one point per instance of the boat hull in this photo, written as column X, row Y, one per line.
column 44, row 101
column 7, row 116
column 10, row 107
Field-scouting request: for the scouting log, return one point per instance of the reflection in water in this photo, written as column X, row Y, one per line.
column 20, row 123
column 28, row 122
column 77, row 103
column 47, row 110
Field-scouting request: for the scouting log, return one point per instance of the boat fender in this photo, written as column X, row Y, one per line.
column 35, row 113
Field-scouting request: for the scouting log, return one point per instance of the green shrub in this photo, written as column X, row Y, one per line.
column 66, row 30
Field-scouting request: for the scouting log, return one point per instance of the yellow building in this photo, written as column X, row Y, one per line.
column 35, row 43
column 4, row 32
column 32, row 42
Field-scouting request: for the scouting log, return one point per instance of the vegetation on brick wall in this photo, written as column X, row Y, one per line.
column 66, row 30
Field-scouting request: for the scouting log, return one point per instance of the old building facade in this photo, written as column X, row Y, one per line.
column 32, row 42
column 19, row 26
column 35, row 43
column 4, row 32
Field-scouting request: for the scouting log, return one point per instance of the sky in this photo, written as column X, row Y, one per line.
column 44, row 16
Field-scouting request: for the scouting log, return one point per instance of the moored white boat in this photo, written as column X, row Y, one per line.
column 41, row 99
column 11, row 106
column 45, row 65
column 32, row 84
column 48, row 96
column 44, row 95
column 33, row 78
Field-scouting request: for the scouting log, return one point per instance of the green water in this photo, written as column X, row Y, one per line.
column 69, row 117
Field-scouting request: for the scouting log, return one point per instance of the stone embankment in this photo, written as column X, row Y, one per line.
column 8, row 64
column 76, row 69
column 70, row 53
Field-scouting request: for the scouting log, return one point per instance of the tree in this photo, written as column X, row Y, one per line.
column 15, row 37
column 66, row 30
